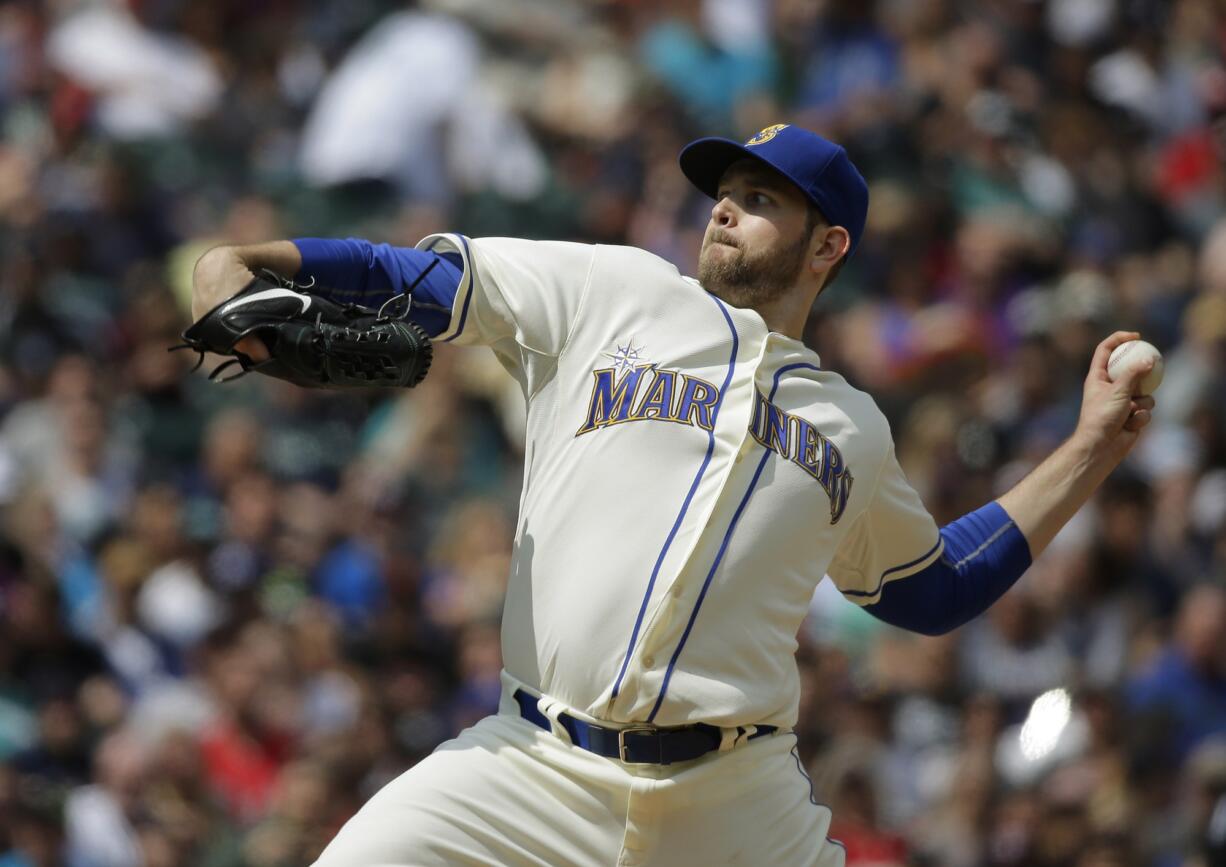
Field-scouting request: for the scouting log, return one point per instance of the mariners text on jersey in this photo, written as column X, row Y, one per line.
column 797, row 440
column 647, row 392
column 667, row 395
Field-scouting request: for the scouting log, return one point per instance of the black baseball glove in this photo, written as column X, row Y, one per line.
column 312, row 342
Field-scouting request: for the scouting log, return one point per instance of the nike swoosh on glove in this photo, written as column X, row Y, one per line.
column 312, row 341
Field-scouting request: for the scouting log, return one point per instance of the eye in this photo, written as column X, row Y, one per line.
column 758, row 198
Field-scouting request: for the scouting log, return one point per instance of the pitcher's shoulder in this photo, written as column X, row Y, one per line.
column 637, row 260
column 858, row 406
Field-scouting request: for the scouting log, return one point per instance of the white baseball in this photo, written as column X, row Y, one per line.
column 1127, row 355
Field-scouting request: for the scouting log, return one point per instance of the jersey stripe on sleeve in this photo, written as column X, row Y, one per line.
column 464, row 291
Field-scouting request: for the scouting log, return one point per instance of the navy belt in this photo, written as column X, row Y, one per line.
column 635, row 744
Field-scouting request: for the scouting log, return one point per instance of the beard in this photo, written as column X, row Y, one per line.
column 750, row 279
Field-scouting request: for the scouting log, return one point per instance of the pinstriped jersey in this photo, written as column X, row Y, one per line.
column 690, row 476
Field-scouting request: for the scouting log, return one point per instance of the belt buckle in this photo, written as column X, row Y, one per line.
column 621, row 742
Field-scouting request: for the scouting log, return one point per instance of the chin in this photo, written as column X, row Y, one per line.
column 717, row 252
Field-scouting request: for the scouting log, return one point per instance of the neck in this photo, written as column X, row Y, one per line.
column 787, row 313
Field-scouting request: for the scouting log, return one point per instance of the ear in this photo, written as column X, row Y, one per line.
column 833, row 245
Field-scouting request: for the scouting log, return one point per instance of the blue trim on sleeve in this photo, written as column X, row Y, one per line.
column 880, row 581
column 356, row 271
column 719, row 556
column 985, row 553
column 651, row 582
column 468, row 297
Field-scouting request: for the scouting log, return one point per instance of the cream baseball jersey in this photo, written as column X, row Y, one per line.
column 689, row 478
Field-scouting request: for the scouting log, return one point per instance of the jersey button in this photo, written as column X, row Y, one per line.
column 649, row 661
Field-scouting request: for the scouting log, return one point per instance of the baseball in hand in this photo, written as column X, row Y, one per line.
column 1134, row 352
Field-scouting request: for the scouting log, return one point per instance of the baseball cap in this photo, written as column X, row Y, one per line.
column 821, row 169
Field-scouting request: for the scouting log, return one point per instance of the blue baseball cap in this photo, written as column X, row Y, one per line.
column 819, row 167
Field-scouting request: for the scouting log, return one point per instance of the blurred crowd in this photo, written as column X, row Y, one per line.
column 229, row 614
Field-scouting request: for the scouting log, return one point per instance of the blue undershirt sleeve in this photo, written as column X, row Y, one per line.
column 359, row 272
column 985, row 553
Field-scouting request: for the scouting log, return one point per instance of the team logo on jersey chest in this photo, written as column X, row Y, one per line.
column 634, row 389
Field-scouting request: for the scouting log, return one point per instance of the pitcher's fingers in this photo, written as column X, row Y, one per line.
column 1137, row 420
column 1102, row 353
column 1129, row 382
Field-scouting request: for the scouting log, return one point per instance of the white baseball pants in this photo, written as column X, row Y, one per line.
column 506, row 792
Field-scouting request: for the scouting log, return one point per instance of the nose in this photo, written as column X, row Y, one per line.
column 723, row 214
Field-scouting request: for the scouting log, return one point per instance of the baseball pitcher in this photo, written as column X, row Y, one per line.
column 692, row 471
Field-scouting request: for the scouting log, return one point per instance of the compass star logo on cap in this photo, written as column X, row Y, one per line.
column 766, row 134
